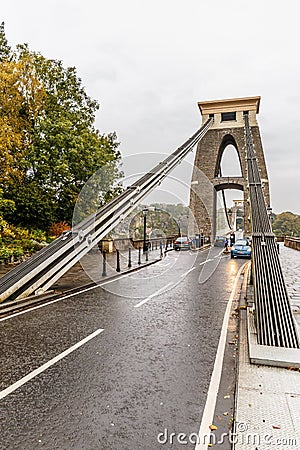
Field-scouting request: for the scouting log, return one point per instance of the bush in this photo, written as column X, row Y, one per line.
column 5, row 254
column 38, row 235
column 57, row 228
column 16, row 241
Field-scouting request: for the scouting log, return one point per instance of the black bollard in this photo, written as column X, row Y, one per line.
column 139, row 261
column 166, row 245
column 147, row 255
column 155, row 245
column 104, row 273
column 129, row 257
column 161, row 249
column 118, row 269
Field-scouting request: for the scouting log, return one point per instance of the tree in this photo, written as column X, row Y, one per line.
column 287, row 224
column 21, row 100
column 49, row 143
column 5, row 50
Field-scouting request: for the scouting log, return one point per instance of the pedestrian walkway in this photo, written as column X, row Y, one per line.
column 268, row 398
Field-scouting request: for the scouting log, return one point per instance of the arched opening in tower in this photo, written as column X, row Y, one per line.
column 230, row 165
column 229, row 211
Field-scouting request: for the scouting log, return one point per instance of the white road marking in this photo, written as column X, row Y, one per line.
column 219, row 254
column 65, row 297
column 153, row 295
column 204, row 262
column 186, row 273
column 213, row 389
column 48, row 364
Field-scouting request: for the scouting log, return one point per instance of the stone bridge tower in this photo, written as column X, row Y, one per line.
column 207, row 180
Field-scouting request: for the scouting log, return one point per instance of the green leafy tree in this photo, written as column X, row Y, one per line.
column 287, row 224
column 5, row 50
column 55, row 147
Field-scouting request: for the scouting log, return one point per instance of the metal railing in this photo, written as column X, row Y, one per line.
column 274, row 318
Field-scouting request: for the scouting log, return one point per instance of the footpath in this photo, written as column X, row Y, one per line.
column 268, row 398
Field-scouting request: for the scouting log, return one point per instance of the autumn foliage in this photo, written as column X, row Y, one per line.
column 57, row 228
column 49, row 146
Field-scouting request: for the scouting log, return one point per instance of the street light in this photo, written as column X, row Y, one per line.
column 179, row 225
column 145, row 246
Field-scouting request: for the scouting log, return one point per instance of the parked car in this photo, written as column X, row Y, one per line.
column 241, row 248
column 220, row 241
column 182, row 243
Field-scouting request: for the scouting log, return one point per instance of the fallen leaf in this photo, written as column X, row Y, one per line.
column 225, row 413
column 219, row 418
column 276, row 427
column 213, row 427
column 226, row 396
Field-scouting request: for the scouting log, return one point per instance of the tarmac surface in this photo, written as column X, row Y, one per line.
column 124, row 366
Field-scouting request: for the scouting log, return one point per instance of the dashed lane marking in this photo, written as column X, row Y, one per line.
column 186, row 273
column 66, row 296
column 160, row 291
column 48, row 364
column 204, row 262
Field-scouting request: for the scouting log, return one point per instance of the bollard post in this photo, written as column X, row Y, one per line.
column 129, row 257
column 139, row 261
column 147, row 255
column 104, row 273
column 161, row 249
column 166, row 245
column 118, row 269
column 155, row 245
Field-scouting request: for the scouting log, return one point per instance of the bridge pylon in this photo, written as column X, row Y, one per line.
column 228, row 128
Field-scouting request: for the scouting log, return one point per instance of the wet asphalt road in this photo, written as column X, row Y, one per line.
column 148, row 370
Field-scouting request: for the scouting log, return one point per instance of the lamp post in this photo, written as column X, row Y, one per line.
column 145, row 247
column 179, row 226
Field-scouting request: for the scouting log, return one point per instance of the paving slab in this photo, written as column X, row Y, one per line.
column 267, row 412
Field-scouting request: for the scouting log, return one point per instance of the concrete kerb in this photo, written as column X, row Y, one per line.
column 264, row 354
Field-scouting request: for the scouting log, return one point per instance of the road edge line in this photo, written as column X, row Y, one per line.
column 210, row 404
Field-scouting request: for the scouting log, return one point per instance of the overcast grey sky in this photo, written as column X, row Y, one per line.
column 150, row 62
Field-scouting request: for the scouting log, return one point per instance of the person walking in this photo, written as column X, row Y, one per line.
column 232, row 238
column 226, row 245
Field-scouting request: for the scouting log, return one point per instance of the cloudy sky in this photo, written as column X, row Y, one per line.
column 148, row 63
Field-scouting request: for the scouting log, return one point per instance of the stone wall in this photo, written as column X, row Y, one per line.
column 292, row 243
